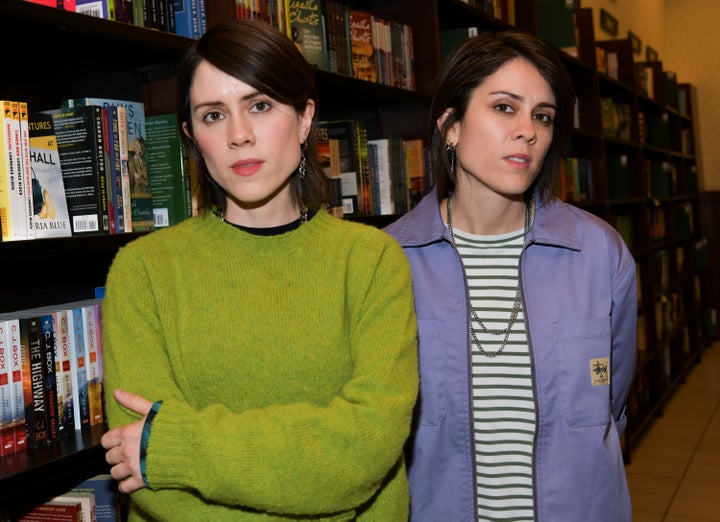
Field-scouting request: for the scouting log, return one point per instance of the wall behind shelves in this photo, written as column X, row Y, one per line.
column 685, row 35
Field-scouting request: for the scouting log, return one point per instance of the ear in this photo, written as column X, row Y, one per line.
column 451, row 135
column 186, row 130
column 306, row 118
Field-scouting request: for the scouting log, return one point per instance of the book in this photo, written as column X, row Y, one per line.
column 415, row 169
column 78, row 367
column 104, row 488
column 380, row 154
column 93, row 351
column 13, row 209
column 124, row 167
column 36, row 418
column 48, row 511
column 306, row 28
column 47, row 187
column 66, row 5
column 97, row 8
column 361, row 43
column 186, row 18
column 348, row 135
column 12, row 332
column 63, row 372
column 113, row 173
column 25, row 174
column 86, row 500
column 47, row 331
column 338, row 38
column 7, row 433
column 140, row 195
column 556, row 23
column 168, row 170
column 80, row 147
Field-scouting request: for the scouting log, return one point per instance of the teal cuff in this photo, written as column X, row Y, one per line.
column 145, row 439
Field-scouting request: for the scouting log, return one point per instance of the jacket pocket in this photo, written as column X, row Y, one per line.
column 432, row 401
column 582, row 358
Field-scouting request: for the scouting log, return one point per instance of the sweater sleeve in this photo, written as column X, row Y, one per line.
column 294, row 457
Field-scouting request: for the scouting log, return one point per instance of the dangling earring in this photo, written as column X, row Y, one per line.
column 451, row 152
column 302, row 168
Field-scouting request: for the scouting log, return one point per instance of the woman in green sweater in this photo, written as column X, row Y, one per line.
column 260, row 358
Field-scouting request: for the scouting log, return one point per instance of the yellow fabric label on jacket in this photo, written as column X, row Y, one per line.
column 600, row 371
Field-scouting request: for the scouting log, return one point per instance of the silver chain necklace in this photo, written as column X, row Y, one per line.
column 517, row 304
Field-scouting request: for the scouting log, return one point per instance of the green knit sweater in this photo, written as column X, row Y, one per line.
column 287, row 368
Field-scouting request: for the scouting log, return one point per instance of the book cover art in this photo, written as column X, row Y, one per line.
column 306, row 22
column 169, row 175
column 104, row 487
column 344, row 131
column 97, row 8
column 124, row 167
column 362, row 45
column 47, row 187
column 67, row 5
column 140, row 194
column 80, row 146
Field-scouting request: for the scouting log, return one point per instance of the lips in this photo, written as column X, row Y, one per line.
column 247, row 167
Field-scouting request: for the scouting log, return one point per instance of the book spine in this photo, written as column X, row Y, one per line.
column 124, row 167
column 47, row 330
column 92, row 339
column 18, row 397
column 80, row 377
column 33, row 382
column 109, row 161
column 5, row 165
column 66, row 411
column 25, row 172
column 7, row 434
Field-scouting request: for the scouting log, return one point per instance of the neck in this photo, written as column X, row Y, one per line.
column 485, row 218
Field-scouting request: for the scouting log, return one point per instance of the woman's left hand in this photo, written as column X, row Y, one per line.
column 123, row 444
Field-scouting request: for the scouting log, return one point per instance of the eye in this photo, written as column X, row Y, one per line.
column 260, row 106
column 547, row 119
column 504, row 107
column 212, row 116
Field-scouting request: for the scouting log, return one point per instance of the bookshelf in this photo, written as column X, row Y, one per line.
column 69, row 55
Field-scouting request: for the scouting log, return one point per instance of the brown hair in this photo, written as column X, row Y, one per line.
column 467, row 67
column 259, row 55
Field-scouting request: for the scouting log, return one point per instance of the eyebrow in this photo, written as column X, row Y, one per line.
column 247, row 97
column 544, row 105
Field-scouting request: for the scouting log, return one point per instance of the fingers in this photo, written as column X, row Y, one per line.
column 133, row 402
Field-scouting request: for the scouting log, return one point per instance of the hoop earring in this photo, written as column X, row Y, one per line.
column 451, row 152
column 302, row 168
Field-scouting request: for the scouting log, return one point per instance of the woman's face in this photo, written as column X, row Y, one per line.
column 506, row 132
column 250, row 144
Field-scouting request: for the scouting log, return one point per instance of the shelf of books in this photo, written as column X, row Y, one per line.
column 631, row 160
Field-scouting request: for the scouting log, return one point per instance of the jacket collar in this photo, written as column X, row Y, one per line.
column 553, row 224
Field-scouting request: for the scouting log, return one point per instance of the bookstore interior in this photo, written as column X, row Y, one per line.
column 93, row 94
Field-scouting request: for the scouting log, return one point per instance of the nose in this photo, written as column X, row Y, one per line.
column 239, row 131
column 526, row 129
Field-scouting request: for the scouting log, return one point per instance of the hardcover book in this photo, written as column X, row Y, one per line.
column 64, row 372
column 12, row 199
column 169, row 174
column 47, row 187
column 80, row 146
column 346, row 132
column 48, row 511
column 36, row 420
column 124, row 167
column 47, row 331
column 6, row 164
column 362, row 45
column 306, row 24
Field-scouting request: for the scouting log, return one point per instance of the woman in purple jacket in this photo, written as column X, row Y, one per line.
column 526, row 305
